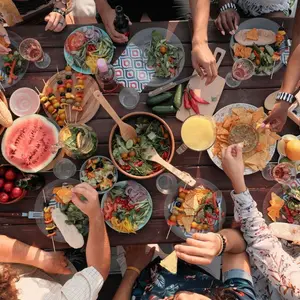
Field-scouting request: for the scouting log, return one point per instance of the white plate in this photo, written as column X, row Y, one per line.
column 219, row 117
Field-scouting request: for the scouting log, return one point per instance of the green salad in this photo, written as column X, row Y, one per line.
column 129, row 155
column 163, row 56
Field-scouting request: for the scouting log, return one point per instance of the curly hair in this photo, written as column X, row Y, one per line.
column 8, row 278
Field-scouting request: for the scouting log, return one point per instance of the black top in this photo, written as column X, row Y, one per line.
column 25, row 6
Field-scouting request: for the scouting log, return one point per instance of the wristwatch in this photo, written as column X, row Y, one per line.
column 228, row 6
column 287, row 97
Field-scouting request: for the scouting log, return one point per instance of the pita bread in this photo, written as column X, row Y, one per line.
column 265, row 37
column 170, row 263
column 187, row 222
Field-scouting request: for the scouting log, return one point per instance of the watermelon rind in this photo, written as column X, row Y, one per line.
column 29, row 144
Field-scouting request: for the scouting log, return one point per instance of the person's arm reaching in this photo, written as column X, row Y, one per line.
column 137, row 258
column 108, row 16
column 263, row 247
column 14, row 251
column 291, row 79
column 98, row 248
column 202, row 57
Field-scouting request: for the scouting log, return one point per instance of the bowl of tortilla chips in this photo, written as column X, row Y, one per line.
column 236, row 114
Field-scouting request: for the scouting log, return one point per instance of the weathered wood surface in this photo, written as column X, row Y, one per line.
column 253, row 91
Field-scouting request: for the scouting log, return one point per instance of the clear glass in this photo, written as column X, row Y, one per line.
column 129, row 98
column 78, row 141
column 267, row 171
column 64, row 169
column 31, row 50
column 166, row 183
column 242, row 69
column 289, row 170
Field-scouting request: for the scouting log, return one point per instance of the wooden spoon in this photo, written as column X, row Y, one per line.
column 127, row 131
column 152, row 155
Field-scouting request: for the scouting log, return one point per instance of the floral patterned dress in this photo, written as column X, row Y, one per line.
column 275, row 264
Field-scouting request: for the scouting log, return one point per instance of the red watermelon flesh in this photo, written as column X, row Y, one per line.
column 28, row 143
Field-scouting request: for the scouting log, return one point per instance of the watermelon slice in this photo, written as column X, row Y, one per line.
column 28, row 143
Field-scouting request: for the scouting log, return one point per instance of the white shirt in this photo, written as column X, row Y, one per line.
column 37, row 285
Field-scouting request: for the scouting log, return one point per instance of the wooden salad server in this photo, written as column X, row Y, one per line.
column 152, row 155
column 127, row 131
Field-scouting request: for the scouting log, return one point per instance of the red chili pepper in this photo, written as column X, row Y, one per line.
column 197, row 98
column 194, row 106
column 256, row 54
column 186, row 101
column 289, row 216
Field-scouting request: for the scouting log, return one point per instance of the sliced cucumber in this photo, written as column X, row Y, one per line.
column 129, row 144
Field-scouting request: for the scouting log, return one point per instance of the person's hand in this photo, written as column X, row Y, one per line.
column 54, row 262
column 189, row 296
column 233, row 166
column 108, row 16
column 137, row 257
column 204, row 62
column 55, row 22
column 90, row 205
column 277, row 117
column 3, row 33
column 228, row 21
column 201, row 249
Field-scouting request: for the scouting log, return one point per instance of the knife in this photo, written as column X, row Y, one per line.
column 219, row 201
column 169, row 86
column 29, row 215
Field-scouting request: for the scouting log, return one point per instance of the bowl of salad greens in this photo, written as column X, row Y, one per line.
column 100, row 173
column 127, row 207
column 128, row 157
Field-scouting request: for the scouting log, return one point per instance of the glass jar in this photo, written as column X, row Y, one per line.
column 79, row 141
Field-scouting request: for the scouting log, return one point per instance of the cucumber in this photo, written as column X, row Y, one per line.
column 152, row 101
column 164, row 110
column 178, row 97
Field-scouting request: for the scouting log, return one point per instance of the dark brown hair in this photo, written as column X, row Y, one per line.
column 8, row 278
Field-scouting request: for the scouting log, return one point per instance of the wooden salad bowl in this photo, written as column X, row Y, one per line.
column 2, row 98
column 139, row 114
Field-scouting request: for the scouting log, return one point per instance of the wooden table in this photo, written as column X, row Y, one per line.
column 253, row 91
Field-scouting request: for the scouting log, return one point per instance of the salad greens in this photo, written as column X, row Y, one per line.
column 163, row 56
column 129, row 155
column 76, row 217
column 127, row 207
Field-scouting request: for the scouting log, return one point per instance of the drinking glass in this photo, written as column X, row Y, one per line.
column 31, row 50
column 242, row 69
column 129, row 98
column 64, row 169
column 284, row 173
column 166, row 183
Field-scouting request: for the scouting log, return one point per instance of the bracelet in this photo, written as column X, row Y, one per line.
column 60, row 11
column 228, row 6
column 287, row 97
column 223, row 241
column 134, row 269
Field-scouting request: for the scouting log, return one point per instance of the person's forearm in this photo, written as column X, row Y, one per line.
column 200, row 14
column 125, row 289
column 239, row 185
column 14, row 251
column 101, row 5
column 264, row 248
column 292, row 73
column 98, row 248
column 234, row 241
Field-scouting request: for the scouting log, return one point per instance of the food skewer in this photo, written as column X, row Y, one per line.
column 273, row 69
column 38, row 91
column 46, row 205
column 2, row 87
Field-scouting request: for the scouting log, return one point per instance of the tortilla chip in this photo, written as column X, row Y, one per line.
column 239, row 111
column 222, row 131
column 252, row 34
column 187, row 222
column 227, row 122
column 191, row 201
column 257, row 115
column 189, row 211
column 170, row 263
column 246, row 118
